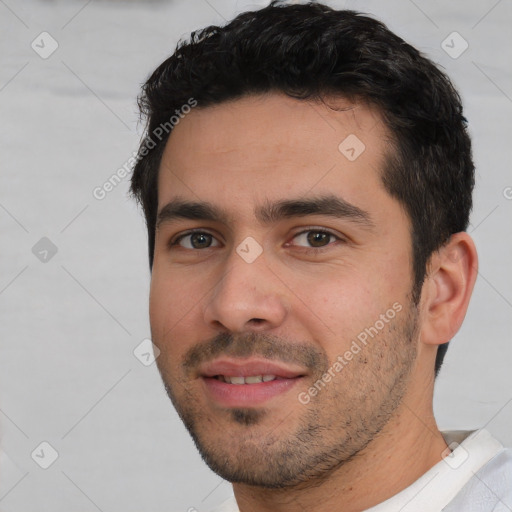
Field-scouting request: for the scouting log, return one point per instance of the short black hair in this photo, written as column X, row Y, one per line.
column 309, row 52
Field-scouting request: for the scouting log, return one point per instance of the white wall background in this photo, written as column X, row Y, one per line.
column 68, row 326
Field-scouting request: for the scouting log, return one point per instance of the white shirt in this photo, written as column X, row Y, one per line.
column 475, row 477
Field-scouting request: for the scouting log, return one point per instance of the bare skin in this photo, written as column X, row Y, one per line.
column 300, row 304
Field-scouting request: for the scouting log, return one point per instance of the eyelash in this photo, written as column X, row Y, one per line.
column 306, row 250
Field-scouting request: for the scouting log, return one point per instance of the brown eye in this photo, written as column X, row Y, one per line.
column 315, row 238
column 318, row 238
column 195, row 240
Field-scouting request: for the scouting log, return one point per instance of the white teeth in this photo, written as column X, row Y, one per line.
column 252, row 379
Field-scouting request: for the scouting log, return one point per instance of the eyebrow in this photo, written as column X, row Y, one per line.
column 269, row 212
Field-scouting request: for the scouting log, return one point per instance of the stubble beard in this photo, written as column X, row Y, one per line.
column 246, row 446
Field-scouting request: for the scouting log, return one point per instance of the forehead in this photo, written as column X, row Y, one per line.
column 258, row 148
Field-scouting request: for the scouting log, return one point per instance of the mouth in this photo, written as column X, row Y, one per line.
column 251, row 379
column 247, row 383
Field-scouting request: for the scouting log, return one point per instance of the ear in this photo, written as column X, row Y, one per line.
column 451, row 276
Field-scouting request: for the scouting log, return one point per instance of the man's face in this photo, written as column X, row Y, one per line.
column 285, row 325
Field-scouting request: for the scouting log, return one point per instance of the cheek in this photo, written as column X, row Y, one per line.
column 338, row 308
column 168, row 317
column 171, row 303
column 173, row 293
column 160, row 300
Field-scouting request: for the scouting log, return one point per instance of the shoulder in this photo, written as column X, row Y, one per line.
column 490, row 487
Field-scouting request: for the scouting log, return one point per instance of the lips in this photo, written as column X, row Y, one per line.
column 250, row 367
column 249, row 382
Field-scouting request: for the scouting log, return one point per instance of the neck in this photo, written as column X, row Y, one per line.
column 403, row 451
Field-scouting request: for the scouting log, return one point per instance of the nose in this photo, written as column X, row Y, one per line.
column 248, row 296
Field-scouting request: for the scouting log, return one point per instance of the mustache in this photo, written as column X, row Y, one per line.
column 249, row 344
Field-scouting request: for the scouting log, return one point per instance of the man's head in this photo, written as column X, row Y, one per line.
column 308, row 51
column 303, row 125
